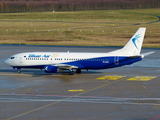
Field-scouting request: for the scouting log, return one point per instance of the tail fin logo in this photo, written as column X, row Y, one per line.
column 135, row 39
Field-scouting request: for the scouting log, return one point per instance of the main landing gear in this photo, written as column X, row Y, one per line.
column 78, row 71
column 71, row 72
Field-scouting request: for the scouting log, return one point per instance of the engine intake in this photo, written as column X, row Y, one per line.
column 51, row 69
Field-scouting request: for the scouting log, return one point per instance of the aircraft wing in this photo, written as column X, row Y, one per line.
column 69, row 66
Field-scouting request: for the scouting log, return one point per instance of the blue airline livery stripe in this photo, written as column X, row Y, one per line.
column 95, row 63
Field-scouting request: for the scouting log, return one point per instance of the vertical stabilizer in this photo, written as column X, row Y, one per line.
column 134, row 45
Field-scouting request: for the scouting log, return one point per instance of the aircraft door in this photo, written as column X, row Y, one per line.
column 20, row 60
column 116, row 60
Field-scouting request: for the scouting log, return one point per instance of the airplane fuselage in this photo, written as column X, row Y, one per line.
column 82, row 60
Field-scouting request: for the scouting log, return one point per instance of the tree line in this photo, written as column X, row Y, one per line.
column 74, row 5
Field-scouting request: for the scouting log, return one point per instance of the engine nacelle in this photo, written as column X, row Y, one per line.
column 51, row 69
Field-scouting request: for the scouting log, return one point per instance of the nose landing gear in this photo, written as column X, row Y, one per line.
column 18, row 70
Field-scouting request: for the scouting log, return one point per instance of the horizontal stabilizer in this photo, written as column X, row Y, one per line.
column 148, row 53
column 136, row 56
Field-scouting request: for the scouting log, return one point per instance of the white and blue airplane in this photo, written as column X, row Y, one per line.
column 54, row 62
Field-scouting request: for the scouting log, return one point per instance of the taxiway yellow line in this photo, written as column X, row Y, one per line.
column 76, row 90
column 36, row 109
column 98, row 87
column 63, row 100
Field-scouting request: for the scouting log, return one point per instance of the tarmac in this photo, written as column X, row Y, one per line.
column 124, row 93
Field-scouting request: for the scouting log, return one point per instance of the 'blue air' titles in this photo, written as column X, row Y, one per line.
column 37, row 56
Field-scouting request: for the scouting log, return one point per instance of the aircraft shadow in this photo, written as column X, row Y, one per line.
column 38, row 73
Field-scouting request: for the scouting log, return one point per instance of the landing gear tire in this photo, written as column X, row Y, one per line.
column 78, row 71
column 19, row 71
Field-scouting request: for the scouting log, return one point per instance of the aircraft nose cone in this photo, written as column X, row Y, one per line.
column 7, row 62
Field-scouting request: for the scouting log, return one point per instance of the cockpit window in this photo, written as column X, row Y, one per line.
column 12, row 58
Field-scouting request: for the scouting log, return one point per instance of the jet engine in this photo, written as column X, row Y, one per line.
column 51, row 69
